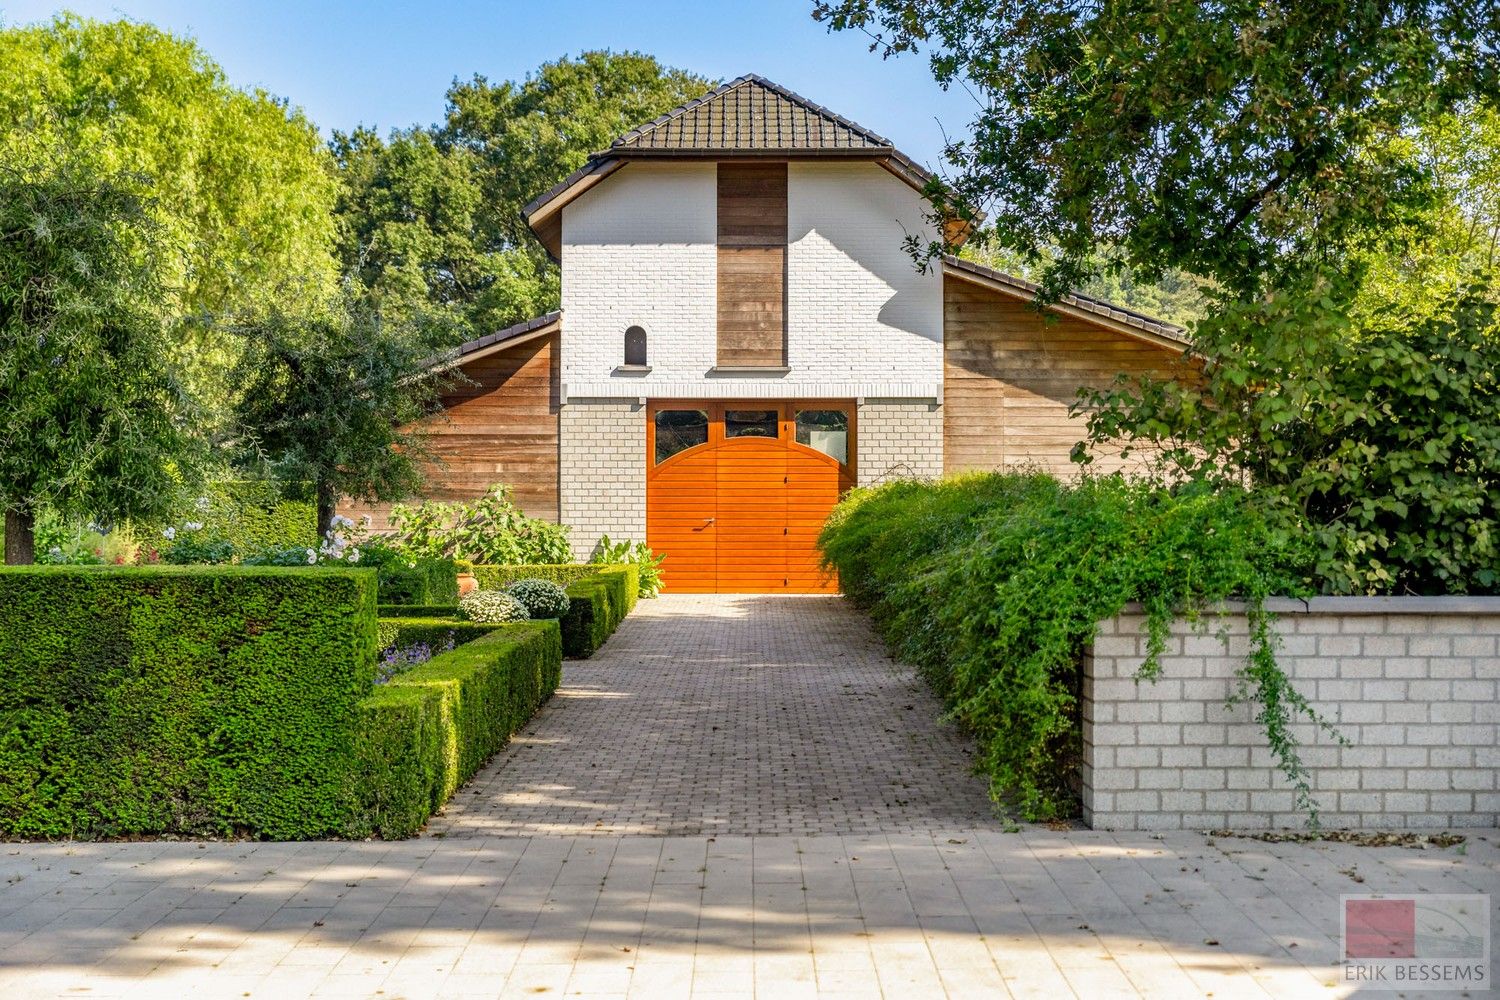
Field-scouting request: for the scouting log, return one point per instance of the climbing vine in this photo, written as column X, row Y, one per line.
column 993, row 585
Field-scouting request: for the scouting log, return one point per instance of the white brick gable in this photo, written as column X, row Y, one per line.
column 640, row 249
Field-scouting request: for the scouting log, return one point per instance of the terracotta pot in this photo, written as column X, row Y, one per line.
column 467, row 584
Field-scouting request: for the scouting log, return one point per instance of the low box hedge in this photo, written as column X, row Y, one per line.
column 600, row 597
column 429, row 729
column 434, row 630
column 418, row 610
column 195, row 700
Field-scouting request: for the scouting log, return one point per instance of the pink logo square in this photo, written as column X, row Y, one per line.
column 1380, row 928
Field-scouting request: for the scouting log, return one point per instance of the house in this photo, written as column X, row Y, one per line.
column 744, row 336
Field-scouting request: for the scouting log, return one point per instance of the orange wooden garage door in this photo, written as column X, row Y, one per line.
column 737, row 492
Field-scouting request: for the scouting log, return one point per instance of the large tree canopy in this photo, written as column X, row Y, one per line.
column 238, row 180
column 431, row 217
column 1239, row 140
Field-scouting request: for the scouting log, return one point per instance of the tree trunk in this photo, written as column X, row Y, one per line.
column 325, row 508
column 20, row 538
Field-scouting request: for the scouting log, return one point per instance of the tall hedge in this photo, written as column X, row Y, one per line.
column 199, row 700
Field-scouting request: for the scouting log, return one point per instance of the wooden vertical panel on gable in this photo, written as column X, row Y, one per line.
column 752, row 264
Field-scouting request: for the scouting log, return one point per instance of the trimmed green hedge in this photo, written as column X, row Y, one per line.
column 432, row 727
column 198, row 700
column 496, row 577
column 418, row 610
column 432, row 629
column 431, row 582
column 600, row 597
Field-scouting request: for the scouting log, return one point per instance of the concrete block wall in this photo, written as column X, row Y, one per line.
column 1411, row 682
column 898, row 439
column 602, row 472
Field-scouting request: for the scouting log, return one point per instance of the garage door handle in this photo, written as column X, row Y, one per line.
column 707, row 521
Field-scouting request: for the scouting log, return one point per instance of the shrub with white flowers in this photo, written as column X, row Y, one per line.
column 542, row 598
column 492, row 606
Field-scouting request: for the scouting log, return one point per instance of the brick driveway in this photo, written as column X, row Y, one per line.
column 731, row 715
column 702, row 720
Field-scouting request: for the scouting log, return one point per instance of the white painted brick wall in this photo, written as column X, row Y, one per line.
column 898, row 439
column 1412, row 683
column 640, row 249
column 602, row 476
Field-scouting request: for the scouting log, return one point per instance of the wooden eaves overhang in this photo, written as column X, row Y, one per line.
column 1085, row 307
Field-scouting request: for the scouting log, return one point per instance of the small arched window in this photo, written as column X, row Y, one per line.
column 635, row 347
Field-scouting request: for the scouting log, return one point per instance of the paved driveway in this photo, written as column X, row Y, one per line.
column 731, row 715
column 709, row 719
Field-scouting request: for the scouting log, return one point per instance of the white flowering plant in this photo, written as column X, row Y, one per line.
column 187, row 543
column 492, row 606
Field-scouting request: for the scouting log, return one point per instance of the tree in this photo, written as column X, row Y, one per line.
column 334, row 398
column 1377, row 438
column 238, row 180
column 411, row 223
column 431, row 217
column 94, row 421
column 1239, row 141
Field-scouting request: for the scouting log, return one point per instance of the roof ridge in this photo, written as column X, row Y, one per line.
column 740, row 81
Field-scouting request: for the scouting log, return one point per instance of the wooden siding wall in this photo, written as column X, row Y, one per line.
column 1010, row 374
column 501, row 428
column 752, row 264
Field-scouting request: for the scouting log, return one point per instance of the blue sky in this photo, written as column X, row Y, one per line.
column 387, row 64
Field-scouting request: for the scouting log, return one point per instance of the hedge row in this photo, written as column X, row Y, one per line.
column 429, row 729
column 435, row 630
column 418, row 610
column 255, row 514
column 600, row 597
column 224, row 701
column 200, row 700
column 429, row 582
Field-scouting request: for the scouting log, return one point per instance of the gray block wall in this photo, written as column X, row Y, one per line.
column 1411, row 682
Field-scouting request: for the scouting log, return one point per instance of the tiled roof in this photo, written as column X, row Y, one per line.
column 751, row 115
column 1083, row 303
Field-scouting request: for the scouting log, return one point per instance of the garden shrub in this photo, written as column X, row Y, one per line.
column 599, row 598
column 254, row 514
column 501, row 576
column 491, row 606
column 647, row 563
column 993, row 585
column 201, row 701
column 542, row 598
column 1378, row 437
column 491, row 529
column 429, row 729
column 408, row 579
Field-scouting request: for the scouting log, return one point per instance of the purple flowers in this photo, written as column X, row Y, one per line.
column 398, row 659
